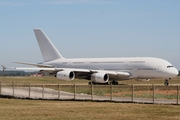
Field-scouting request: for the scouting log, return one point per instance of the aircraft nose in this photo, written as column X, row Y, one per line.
column 175, row 72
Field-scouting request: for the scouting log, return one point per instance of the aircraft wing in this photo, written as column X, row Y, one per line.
column 34, row 64
column 86, row 73
column 80, row 73
column 28, row 68
column 53, row 70
column 123, row 74
column 115, row 75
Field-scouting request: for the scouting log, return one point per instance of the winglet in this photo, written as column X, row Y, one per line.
column 4, row 68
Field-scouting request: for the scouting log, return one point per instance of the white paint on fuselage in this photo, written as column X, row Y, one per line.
column 138, row 67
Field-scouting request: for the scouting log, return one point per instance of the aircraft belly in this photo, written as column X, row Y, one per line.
column 146, row 74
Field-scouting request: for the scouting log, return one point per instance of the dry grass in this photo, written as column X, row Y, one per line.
column 159, row 94
column 11, row 109
column 118, row 91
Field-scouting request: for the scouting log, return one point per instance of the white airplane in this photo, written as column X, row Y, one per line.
column 98, row 70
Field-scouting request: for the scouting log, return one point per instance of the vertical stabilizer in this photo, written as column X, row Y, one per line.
column 48, row 50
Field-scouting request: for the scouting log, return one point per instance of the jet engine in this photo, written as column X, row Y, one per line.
column 65, row 75
column 100, row 77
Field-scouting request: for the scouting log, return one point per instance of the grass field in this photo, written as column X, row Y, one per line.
column 13, row 109
column 53, row 80
column 118, row 91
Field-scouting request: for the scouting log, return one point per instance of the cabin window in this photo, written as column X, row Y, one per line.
column 169, row 66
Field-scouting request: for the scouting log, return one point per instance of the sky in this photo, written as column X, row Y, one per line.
column 90, row 28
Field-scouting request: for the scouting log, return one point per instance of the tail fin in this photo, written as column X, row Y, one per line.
column 48, row 50
column 4, row 68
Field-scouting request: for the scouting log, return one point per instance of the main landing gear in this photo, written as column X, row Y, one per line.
column 94, row 83
column 166, row 82
column 111, row 83
column 114, row 82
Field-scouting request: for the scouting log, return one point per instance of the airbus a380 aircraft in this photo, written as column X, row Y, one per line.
column 98, row 70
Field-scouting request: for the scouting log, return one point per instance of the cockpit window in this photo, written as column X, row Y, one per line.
column 169, row 66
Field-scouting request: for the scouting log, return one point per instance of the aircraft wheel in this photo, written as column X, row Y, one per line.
column 90, row 83
column 166, row 83
column 114, row 83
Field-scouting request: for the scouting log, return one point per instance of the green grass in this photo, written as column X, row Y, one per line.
column 13, row 109
column 157, row 96
column 164, row 96
column 53, row 80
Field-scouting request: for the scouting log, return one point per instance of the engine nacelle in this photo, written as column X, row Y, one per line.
column 100, row 77
column 143, row 80
column 65, row 75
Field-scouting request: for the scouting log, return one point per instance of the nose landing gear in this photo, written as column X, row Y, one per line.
column 166, row 82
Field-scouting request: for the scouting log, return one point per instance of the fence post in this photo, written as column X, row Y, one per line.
column 111, row 92
column 177, row 94
column 13, row 88
column 74, row 91
column 29, row 90
column 132, row 99
column 43, row 91
column 0, row 87
column 58, row 91
column 91, row 91
column 153, row 93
